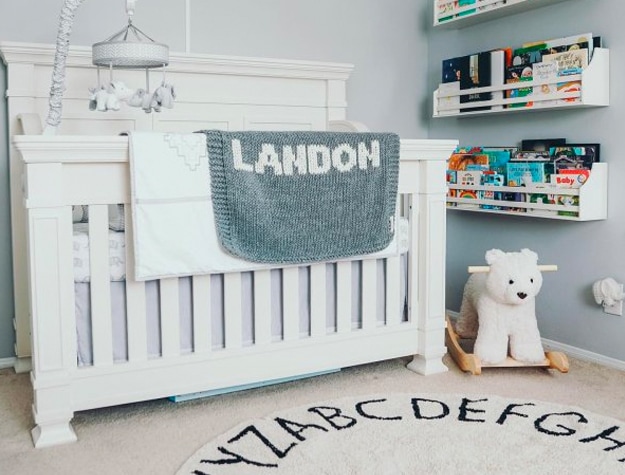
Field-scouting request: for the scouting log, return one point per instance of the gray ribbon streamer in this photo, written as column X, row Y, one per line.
column 58, row 72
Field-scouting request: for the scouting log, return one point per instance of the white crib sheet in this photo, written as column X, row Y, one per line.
column 118, row 306
column 117, row 253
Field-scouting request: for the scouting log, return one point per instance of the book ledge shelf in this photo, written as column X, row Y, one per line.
column 455, row 16
column 587, row 203
column 593, row 91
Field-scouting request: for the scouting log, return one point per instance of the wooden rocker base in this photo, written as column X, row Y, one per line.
column 467, row 361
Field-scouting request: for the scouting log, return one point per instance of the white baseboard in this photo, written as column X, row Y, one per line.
column 584, row 355
column 7, row 362
column 573, row 351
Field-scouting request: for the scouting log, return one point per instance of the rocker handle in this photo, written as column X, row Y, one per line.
column 542, row 268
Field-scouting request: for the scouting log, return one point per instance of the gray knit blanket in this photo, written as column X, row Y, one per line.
column 295, row 197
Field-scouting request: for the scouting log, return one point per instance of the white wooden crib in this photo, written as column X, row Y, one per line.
column 87, row 164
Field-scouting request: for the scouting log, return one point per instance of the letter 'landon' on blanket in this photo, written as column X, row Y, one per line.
column 265, row 197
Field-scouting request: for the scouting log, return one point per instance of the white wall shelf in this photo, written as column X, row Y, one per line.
column 491, row 10
column 593, row 91
column 591, row 196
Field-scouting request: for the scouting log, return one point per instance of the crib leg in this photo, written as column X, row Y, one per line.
column 52, row 414
column 426, row 365
column 47, row 435
column 22, row 364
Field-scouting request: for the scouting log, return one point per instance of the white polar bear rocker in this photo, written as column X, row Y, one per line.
column 500, row 308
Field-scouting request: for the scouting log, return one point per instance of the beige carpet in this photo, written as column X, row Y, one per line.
column 159, row 436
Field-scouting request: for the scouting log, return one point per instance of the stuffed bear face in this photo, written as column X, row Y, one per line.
column 514, row 277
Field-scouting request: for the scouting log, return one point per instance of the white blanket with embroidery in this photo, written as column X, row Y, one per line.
column 172, row 211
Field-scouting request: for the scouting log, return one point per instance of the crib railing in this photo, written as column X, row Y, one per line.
column 333, row 304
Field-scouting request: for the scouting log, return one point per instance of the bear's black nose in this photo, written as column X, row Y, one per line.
column 521, row 295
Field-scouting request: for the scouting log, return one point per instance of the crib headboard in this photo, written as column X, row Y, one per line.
column 222, row 92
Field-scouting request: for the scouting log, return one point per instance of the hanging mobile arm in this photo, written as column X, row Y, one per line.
column 58, row 71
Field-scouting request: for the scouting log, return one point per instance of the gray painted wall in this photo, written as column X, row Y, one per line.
column 389, row 42
column 584, row 252
column 386, row 41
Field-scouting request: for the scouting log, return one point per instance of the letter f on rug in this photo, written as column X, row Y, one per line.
column 400, row 433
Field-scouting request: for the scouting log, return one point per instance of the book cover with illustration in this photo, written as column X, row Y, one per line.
column 574, row 156
column 528, row 173
column 519, row 74
column 568, row 63
column 462, row 161
column 446, row 9
column 452, row 69
column 558, row 45
column 466, row 3
column 475, row 73
column 545, row 75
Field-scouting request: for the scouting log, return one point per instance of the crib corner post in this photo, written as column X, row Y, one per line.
column 53, row 326
column 423, row 179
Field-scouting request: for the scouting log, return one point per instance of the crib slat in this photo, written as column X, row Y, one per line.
column 369, row 293
column 393, row 292
column 343, row 297
column 201, row 313
column 290, row 303
column 233, row 324
column 170, row 317
column 101, row 323
column 317, row 300
column 135, row 302
column 262, row 307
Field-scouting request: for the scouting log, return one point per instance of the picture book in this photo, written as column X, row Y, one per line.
column 452, row 68
column 466, row 3
column 541, row 199
column 468, row 194
column 557, row 45
column 460, row 161
column 545, row 76
column 527, row 173
column 587, row 149
column 567, row 201
column 447, row 9
column 475, row 73
column 570, row 178
column 531, row 156
column 574, row 157
column 569, row 63
column 498, row 158
column 448, row 100
column 519, row 74
column 491, row 179
column 497, row 74
column 452, row 177
column 542, row 145
column 469, row 178
column 528, row 55
column 490, row 5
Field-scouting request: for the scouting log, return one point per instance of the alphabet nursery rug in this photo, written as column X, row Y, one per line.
column 419, row 434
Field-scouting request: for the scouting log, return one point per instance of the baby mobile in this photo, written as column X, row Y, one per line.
column 130, row 48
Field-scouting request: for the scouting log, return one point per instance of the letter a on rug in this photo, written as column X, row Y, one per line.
column 419, row 433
